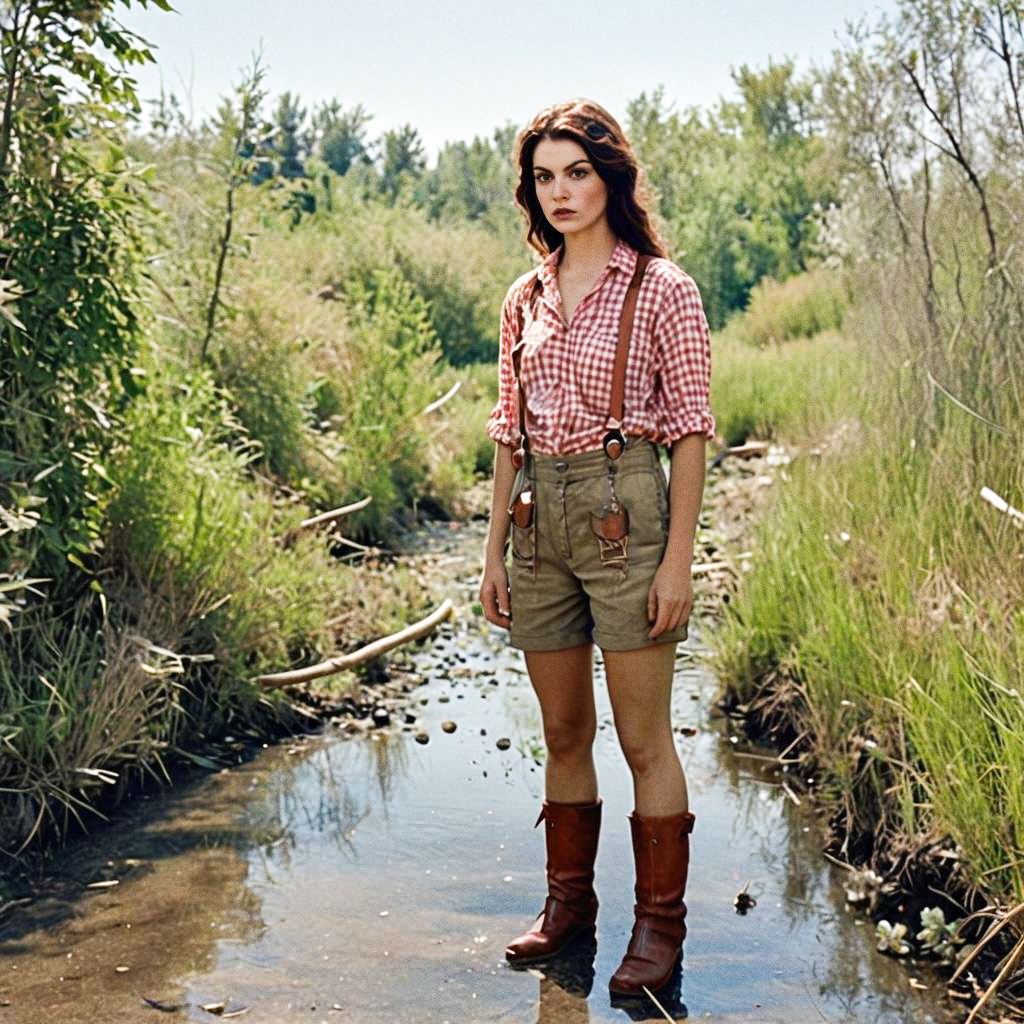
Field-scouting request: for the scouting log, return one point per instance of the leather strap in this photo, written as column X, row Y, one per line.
column 616, row 407
column 535, row 290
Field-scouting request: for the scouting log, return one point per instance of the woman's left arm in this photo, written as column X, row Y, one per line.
column 670, row 598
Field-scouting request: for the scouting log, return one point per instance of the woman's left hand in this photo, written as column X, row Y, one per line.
column 670, row 598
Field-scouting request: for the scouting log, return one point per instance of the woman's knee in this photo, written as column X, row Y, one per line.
column 645, row 755
column 569, row 738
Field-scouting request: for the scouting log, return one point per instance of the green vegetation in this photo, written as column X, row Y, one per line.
column 881, row 624
column 202, row 346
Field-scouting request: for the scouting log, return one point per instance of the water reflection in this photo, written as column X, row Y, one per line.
column 380, row 875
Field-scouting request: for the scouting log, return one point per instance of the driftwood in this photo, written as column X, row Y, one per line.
column 1015, row 514
column 339, row 662
column 335, row 513
column 741, row 451
column 444, row 398
column 702, row 567
column 748, row 450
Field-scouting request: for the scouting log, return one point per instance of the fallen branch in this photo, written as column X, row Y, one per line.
column 748, row 450
column 740, row 451
column 278, row 680
column 444, row 398
column 1015, row 514
column 702, row 567
column 1008, row 965
column 335, row 513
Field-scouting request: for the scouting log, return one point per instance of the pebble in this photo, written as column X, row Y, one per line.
column 422, row 737
column 448, row 725
column 504, row 743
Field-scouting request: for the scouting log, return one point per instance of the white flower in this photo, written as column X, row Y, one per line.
column 890, row 938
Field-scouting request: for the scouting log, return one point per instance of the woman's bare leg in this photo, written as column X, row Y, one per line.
column 640, row 688
column 564, row 684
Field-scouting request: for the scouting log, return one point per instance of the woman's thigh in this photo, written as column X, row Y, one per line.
column 564, row 684
column 640, row 690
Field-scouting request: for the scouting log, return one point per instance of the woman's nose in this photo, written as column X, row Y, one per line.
column 561, row 189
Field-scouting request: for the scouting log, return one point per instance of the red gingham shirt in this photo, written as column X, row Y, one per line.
column 567, row 369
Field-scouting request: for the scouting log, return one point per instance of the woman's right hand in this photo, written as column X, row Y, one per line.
column 494, row 594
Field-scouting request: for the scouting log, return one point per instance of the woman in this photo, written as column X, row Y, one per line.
column 601, row 545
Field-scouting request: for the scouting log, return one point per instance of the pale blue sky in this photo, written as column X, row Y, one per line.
column 458, row 68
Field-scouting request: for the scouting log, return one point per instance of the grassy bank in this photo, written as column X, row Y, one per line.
column 878, row 635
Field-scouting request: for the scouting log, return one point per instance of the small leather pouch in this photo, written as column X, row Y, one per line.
column 610, row 524
column 522, row 510
column 611, row 527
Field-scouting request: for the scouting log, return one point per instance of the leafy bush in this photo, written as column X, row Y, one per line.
column 798, row 307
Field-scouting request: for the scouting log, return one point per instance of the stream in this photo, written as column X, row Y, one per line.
column 364, row 875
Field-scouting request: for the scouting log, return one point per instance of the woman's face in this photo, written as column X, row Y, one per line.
column 571, row 194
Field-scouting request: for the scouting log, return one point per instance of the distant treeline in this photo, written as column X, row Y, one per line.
column 742, row 191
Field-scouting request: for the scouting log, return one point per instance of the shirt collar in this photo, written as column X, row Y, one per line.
column 623, row 258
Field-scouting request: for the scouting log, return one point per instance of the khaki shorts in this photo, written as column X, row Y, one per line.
column 564, row 590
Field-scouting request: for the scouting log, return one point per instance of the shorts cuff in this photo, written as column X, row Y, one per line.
column 548, row 641
column 612, row 642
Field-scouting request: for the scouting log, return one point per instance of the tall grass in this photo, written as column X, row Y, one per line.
column 798, row 389
column 882, row 618
column 799, row 307
column 873, row 591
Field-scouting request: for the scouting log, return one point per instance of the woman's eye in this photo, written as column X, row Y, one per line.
column 579, row 172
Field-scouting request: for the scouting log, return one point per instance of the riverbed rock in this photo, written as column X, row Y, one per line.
column 504, row 743
column 448, row 725
column 422, row 737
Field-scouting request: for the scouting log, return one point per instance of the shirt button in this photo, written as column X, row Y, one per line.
column 561, row 466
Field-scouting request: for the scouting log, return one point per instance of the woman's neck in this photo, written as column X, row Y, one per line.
column 585, row 253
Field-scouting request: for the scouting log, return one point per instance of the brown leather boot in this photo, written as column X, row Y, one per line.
column 661, row 849
column 571, row 832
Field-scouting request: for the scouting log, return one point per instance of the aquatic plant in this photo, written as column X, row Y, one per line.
column 891, row 938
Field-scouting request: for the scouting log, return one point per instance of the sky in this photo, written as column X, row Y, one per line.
column 455, row 69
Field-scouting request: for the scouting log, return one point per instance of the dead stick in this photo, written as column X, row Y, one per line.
column 1015, row 514
column 335, row 513
column 792, row 796
column 993, row 930
column 277, row 680
column 1008, row 966
column 703, row 567
column 444, row 398
column 656, row 1003
column 745, row 451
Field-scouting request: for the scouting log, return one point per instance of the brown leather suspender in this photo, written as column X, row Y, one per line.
column 614, row 442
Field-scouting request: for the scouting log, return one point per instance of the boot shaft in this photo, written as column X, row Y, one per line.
column 571, row 834
column 661, row 850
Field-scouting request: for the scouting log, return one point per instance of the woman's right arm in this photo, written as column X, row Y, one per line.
column 502, row 428
column 494, row 595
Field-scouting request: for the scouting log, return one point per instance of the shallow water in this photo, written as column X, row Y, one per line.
column 369, row 878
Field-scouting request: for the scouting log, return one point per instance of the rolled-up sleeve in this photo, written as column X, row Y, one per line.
column 503, row 422
column 682, row 359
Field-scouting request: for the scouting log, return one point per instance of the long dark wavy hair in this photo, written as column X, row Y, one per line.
column 612, row 157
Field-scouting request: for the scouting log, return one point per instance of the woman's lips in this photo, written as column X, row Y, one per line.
column 565, row 213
